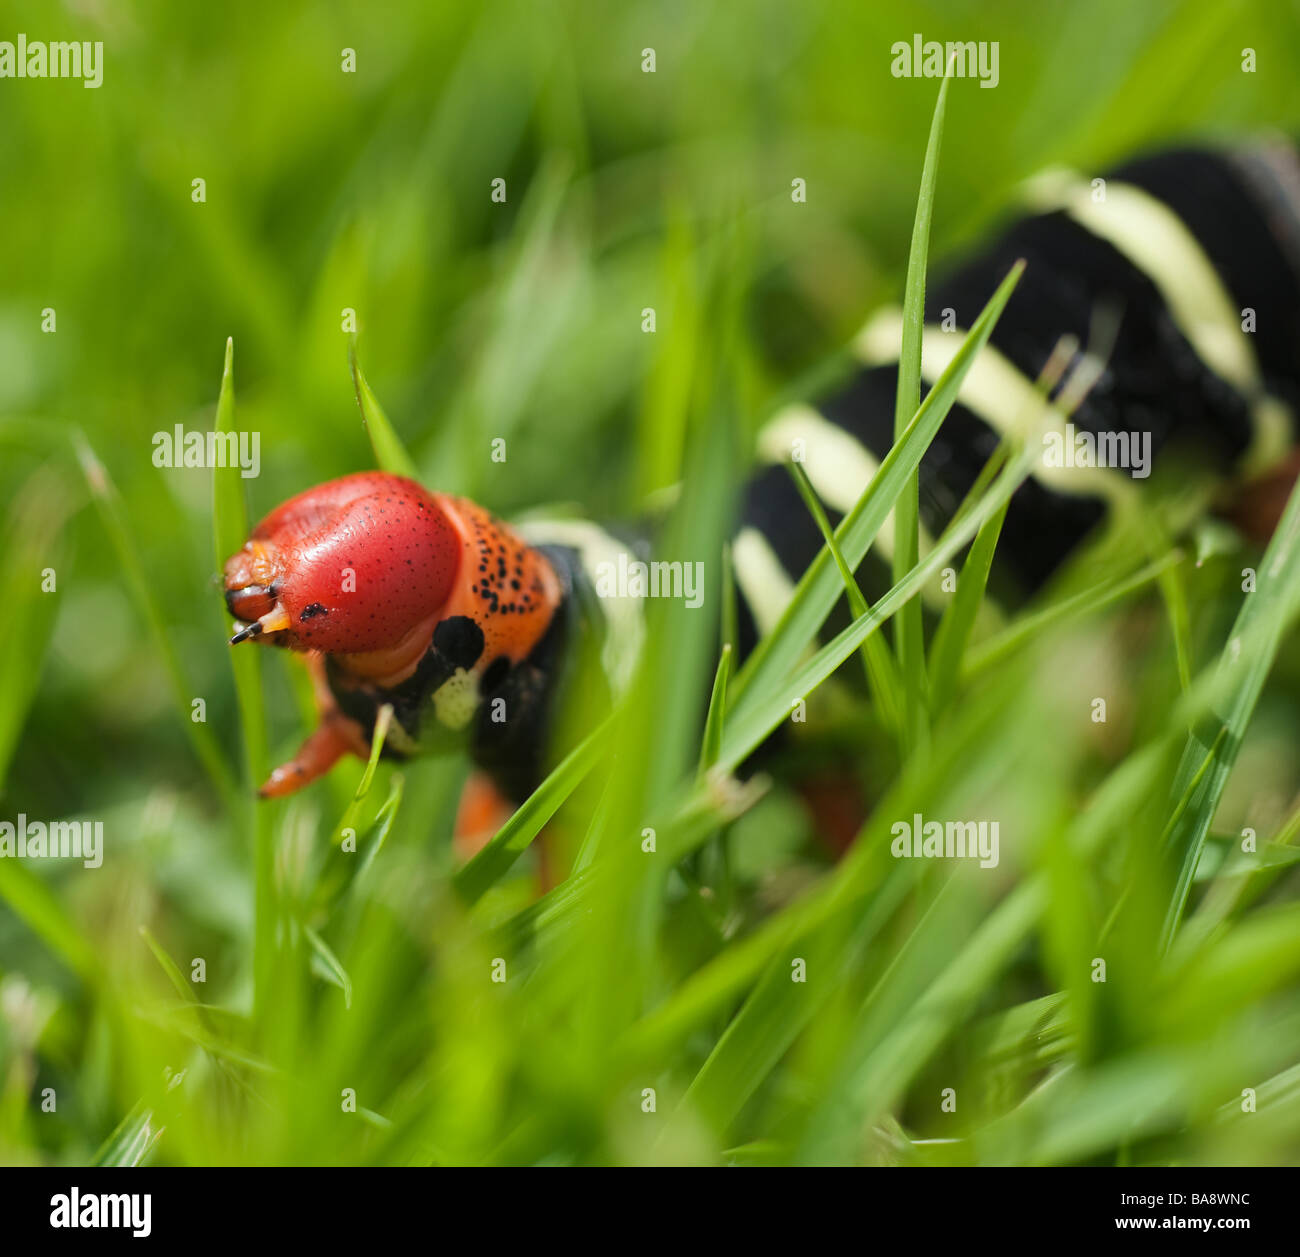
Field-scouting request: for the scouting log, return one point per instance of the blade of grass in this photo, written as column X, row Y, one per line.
column 131, row 1141
column 908, row 642
column 711, row 743
column 390, row 453
column 1239, row 885
column 340, row 868
column 877, row 662
column 383, row 722
column 384, row 819
column 513, row 838
column 865, row 869
column 229, row 531
column 748, row 728
column 1024, row 630
column 326, row 964
column 728, row 620
column 820, row 586
column 1110, row 811
column 34, row 902
column 1173, row 590
column 31, row 543
column 110, row 510
column 203, row 1027
column 885, row 1072
column 778, row 1009
column 170, row 968
column 958, row 621
column 1265, row 616
column 751, row 722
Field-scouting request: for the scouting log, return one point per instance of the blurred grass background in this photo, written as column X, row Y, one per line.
column 522, row 320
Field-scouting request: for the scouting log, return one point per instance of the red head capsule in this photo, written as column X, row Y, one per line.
column 354, row 566
column 370, row 576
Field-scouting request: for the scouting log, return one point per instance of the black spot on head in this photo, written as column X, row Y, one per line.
column 459, row 640
column 309, row 613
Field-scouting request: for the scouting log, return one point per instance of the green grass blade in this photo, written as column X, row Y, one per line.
column 131, row 1141
column 1244, row 664
column 31, row 543
column 958, row 620
column 1173, row 590
column 514, row 837
column 751, row 722
column 344, row 866
column 820, row 586
column 728, row 620
column 1027, row 628
column 711, row 743
column 229, row 510
column 169, row 967
column 773, row 1015
column 229, row 532
column 383, row 825
column 888, row 1069
column 111, row 513
column 390, row 453
column 326, row 964
column 203, row 1028
column 383, row 722
column 878, row 664
column 863, row 869
column 34, row 902
column 908, row 641
column 953, row 633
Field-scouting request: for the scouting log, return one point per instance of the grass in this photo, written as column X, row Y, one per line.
column 316, row 980
column 908, row 638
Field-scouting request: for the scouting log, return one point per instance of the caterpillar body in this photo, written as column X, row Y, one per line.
column 467, row 627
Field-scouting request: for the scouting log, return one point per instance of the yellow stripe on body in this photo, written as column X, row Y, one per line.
column 998, row 393
column 839, row 468
column 624, row 615
column 765, row 584
column 1156, row 241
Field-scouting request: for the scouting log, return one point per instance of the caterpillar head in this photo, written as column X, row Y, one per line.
column 358, row 566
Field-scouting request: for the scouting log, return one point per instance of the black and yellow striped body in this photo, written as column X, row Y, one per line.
column 1179, row 250
column 1190, row 258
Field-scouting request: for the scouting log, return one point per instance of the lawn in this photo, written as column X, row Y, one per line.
column 455, row 234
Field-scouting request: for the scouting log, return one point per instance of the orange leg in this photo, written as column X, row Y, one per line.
column 838, row 808
column 483, row 810
column 332, row 739
column 315, row 757
column 1258, row 505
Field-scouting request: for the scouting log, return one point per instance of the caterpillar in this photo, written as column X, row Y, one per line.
column 404, row 597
